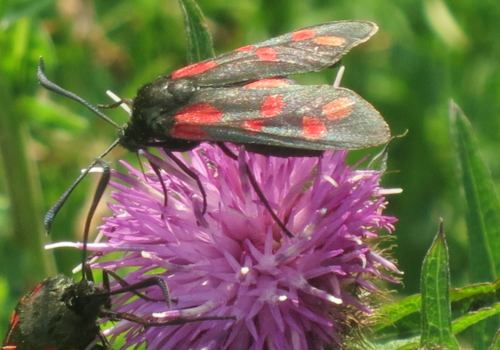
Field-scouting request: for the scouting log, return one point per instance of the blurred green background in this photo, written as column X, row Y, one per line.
column 425, row 53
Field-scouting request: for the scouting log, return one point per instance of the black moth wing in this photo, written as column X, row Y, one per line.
column 312, row 117
column 305, row 50
column 43, row 320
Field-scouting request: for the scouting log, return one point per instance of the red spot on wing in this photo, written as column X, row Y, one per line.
column 245, row 48
column 313, row 128
column 272, row 106
column 188, row 131
column 36, row 290
column 253, row 125
column 200, row 113
column 330, row 40
column 303, row 34
column 268, row 83
column 338, row 109
column 14, row 319
column 267, row 54
column 193, row 69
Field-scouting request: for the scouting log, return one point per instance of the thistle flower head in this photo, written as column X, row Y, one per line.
column 297, row 292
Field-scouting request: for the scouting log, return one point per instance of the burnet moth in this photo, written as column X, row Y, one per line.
column 62, row 314
column 243, row 97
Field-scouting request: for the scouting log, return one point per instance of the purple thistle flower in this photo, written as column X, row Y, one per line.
column 286, row 293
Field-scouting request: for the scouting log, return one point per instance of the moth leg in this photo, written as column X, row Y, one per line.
column 257, row 189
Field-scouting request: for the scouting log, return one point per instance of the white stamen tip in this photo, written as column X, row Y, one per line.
column 95, row 169
column 116, row 98
column 61, row 245
column 339, row 76
column 330, row 180
column 387, row 191
column 76, row 269
column 335, row 300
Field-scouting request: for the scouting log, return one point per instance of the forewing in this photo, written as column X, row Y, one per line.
column 315, row 117
column 31, row 326
column 304, row 50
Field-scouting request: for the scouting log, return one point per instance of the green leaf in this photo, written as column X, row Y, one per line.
column 402, row 319
column 483, row 207
column 26, row 237
column 496, row 342
column 482, row 213
column 436, row 311
column 399, row 344
column 473, row 298
column 199, row 40
column 475, row 317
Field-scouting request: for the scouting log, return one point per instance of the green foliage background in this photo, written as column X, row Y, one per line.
column 425, row 53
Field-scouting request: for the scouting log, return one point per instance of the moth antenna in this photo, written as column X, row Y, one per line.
column 49, row 85
column 46, row 83
column 49, row 217
column 101, row 187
